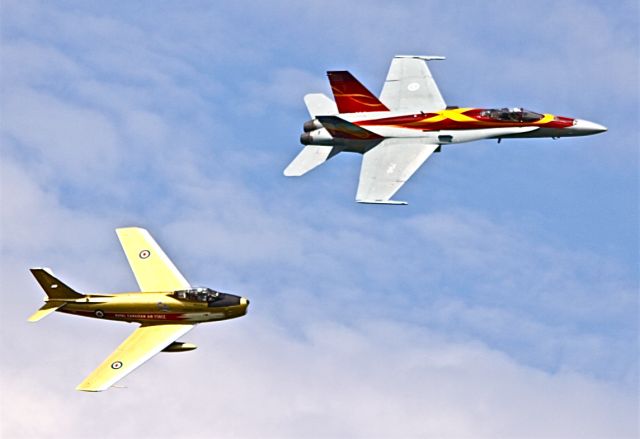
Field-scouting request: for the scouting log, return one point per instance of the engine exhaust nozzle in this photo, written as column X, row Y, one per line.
column 311, row 125
column 306, row 139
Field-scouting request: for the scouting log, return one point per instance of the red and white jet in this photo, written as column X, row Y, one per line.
column 399, row 131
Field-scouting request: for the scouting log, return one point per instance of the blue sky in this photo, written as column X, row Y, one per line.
column 501, row 302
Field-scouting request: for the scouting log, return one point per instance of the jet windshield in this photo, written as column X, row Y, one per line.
column 198, row 294
column 511, row 115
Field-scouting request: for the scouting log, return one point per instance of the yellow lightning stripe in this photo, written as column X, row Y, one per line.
column 454, row 114
column 546, row 118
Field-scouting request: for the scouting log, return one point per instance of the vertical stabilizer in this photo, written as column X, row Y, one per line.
column 351, row 96
column 54, row 288
column 410, row 86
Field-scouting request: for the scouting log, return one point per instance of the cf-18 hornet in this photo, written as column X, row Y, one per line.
column 166, row 308
column 398, row 132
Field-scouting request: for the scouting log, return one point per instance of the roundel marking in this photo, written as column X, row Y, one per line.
column 413, row 86
column 116, row 365
column 144, row 254
column 99, row 313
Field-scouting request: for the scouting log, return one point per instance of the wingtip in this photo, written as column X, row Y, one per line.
column 88, row 390
column 391, row 202
column 91, row 385
column 423, row 57
column 289, row 173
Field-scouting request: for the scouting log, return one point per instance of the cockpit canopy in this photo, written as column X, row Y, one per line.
column 198, row 294
column 511, row 115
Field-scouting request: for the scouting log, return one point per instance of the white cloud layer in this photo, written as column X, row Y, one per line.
column 373, row 379
column 473, row 312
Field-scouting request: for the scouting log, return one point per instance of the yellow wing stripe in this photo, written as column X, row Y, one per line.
column 153, row 270
column 545, row 119
column 453, row 114
column 140, row 346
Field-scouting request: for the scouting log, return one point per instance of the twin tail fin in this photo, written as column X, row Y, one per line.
column 351, row 96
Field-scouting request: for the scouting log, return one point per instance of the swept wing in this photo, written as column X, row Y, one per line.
column 153, row 270
column 410, row 87
column 386, row 167
column 140, row 346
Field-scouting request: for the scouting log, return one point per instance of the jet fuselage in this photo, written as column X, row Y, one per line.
column 452, row 125
column 167, row 307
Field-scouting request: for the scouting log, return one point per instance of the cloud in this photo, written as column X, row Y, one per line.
column 458, row 316
column 318, row 361
column 372, row 379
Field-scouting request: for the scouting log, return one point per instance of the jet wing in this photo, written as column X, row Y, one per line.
column 152, row 268
column 386, row 167
column 140, row 346
column 410, row 86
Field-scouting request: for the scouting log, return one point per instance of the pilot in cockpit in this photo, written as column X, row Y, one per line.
column 515, row 114
column 197, row 294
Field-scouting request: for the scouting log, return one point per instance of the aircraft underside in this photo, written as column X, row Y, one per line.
column 397, row 132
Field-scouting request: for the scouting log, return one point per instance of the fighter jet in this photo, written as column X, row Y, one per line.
column 397, row 132
column 166, row 308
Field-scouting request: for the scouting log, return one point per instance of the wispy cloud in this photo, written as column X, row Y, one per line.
column 458, row 316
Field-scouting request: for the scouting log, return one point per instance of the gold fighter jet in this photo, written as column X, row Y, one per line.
column 167, row 307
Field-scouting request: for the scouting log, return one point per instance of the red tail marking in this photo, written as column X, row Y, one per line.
column 351, row 96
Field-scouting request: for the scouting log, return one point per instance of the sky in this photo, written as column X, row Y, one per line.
column 501, row 302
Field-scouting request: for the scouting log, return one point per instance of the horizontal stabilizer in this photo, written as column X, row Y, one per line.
column 351, row 96
column 45, row 310
column 318, row 103
column 341, row 129
column 310, row 157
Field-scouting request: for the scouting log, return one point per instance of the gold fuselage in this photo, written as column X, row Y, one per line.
column 161, row 307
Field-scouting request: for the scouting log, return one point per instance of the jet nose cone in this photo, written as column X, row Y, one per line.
column 244, row 301
column 585, row 127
